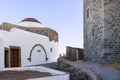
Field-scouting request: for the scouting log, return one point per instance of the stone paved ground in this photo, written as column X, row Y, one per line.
column 106, row 73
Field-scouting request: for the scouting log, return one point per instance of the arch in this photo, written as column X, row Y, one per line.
column 34, row 48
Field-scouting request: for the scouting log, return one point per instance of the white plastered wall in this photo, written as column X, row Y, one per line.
column 26, row 40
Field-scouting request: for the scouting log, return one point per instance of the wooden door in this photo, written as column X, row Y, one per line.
column 14, row 58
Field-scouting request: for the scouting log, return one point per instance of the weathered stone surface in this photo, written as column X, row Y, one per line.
column 77, row 72
column 102, row 30
column 51, row 34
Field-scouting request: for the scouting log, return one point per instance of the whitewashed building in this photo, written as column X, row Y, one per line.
column 27, row 43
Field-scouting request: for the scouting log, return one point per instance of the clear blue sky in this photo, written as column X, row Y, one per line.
column 64, row 16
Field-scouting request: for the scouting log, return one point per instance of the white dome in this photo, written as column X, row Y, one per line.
column 30, row 22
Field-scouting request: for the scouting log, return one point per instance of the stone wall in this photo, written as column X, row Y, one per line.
column 102, row 30
column 112, row 30
column 93, row 29
column 74, row 53
column 53, row 35
column 77, row 71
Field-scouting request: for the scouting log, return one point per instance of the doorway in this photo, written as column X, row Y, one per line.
column 15, row 57
column 12, row 57
column 6, row 57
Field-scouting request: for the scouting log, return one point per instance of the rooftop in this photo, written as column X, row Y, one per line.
column 30, row 20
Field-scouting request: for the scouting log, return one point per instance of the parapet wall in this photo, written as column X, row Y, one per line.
column 77, row 71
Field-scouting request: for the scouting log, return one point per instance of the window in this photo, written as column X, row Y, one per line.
column 50, row 49
column 88, row 10
column 93, row 32
column 38, row 50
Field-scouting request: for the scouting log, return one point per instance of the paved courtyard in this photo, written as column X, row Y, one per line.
column 106, row 73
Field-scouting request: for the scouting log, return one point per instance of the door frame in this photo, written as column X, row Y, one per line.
column 8, row 56
column 15, row 47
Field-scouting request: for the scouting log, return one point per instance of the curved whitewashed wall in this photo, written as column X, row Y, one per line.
column 54, row 46
column 26, row 40
column 31, row 24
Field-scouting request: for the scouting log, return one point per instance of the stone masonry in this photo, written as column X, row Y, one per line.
column 77, row 71
column 74, row 53
column 102, row 30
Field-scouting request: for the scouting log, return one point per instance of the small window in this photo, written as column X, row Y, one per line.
column 88, row 12
column 50, row 49
column 93, row 32
column 38, row 50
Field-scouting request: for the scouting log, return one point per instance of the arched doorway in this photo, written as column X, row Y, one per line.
column 38, row 53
